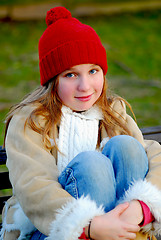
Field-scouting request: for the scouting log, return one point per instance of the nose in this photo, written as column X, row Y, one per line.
column 83, row 84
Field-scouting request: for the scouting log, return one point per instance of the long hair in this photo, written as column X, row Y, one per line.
column 48, row 105
column 112, row 120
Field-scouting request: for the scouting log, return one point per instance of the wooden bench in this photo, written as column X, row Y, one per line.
column 153, row 133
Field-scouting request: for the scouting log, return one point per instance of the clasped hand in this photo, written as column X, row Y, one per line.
column 119, row 224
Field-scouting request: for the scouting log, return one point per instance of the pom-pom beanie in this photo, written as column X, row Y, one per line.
column 67, row 42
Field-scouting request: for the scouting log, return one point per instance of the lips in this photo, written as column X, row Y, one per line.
column 84, row 98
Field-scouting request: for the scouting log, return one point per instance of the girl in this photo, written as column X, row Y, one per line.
column 78, row 164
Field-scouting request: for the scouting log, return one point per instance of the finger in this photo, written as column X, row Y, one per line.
column 130, row 236
column 127, row 235
column 132, row 228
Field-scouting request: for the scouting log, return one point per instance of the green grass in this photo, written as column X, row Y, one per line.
column 133, row 43
column 133, row 53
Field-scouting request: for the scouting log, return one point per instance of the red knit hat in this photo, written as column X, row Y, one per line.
column 67, row 42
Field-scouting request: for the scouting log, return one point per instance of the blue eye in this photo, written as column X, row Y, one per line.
column 93, row 71
column 70, row 75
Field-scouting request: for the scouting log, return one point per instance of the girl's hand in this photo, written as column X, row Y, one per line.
column 111, row 226
column 133, row 214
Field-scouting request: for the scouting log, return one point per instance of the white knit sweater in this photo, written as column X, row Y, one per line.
column 78, row 132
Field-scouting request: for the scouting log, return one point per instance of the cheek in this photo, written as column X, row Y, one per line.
column 64, row 91
column 99, row 85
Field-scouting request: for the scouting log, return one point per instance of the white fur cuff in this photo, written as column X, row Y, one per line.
column 72, row 218
column 151, row 196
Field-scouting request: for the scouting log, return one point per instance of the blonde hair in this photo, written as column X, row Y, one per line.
column 112, row 120
column 48, row 105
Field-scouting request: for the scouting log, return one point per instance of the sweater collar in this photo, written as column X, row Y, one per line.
column 93, row 113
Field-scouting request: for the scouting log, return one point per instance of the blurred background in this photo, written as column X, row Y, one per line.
column 129, row 30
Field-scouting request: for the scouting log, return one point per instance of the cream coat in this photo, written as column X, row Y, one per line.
column 49, row 208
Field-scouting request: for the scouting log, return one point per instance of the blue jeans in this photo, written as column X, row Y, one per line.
column 105, row 176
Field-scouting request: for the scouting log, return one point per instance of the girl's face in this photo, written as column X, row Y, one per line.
column 80, row 86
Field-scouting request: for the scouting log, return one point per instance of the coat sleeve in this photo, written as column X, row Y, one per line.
column 34, row 176
column 149, row 189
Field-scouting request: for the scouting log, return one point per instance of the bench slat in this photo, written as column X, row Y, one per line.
column 156, row 137
column 4, row 180
column 151, row 130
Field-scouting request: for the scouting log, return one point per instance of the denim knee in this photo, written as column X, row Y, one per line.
column 129, row 160
column 90, row 173
column 129, row 150
column 85, row 164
